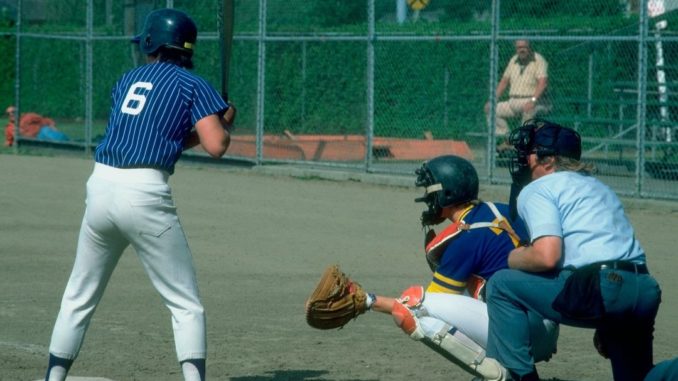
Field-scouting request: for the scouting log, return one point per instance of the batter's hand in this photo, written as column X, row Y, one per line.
column 229, row 116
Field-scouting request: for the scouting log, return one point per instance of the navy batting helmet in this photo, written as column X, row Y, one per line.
column 448, row 180
column 168, row 28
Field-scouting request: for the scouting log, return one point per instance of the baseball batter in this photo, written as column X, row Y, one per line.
column 450, row 316
column 158, row 110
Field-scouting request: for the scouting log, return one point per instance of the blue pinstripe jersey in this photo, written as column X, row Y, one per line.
column 481, row 251
column 154, row 108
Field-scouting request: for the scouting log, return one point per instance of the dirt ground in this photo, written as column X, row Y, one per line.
column 260, row 242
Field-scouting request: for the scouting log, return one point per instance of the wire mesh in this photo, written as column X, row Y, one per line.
column 378, row 85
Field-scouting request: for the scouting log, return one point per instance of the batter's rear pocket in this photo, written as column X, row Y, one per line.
column 580, row 298
column 153, row 216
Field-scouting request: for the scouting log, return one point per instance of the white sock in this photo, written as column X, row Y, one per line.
column 57, row 373
column 190, row 371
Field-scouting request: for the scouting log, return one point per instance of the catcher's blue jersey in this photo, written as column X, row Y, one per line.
column 481, row 251
column 155, row 106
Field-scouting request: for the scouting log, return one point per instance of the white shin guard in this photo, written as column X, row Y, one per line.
column 458, row 348
column 409, row 314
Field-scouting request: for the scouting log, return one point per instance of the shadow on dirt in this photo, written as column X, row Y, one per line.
column 293, row 375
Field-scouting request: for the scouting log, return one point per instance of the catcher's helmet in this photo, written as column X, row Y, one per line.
column 168, row 28
column 448, row 180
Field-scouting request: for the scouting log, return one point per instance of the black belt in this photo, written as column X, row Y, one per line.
column 624, row 266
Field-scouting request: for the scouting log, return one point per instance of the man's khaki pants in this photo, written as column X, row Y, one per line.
column 513, row 108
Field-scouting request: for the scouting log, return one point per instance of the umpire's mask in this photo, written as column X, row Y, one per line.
column 543, row 138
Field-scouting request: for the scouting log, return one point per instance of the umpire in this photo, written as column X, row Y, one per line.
column 583, row 267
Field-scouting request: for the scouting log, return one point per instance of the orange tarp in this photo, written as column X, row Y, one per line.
column 346, row 147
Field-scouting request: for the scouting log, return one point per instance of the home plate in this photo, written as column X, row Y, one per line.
column 84, row 379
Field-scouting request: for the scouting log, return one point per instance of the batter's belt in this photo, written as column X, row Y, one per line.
column 130, row 175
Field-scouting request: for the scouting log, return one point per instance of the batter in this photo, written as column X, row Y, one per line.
column 158, row 110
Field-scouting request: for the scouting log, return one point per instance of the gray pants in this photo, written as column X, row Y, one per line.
column 631, row 302
column 666, row 370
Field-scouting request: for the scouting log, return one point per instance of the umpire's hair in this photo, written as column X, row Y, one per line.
column 177, row 57
column 564, row 163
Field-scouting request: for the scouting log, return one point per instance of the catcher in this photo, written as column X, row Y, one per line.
column 449, row 316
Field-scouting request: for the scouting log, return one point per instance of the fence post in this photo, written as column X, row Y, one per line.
column 401, row 11
column 642, row 97
column 446, row 101
column 369, row 128
column 89, row 78
column 303, row 85
column 491, row 121
column 589, row 87
column 17, row 78
column 261, row 82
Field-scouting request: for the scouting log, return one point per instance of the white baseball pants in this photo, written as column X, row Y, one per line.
column 131, row 206
column 469, row 316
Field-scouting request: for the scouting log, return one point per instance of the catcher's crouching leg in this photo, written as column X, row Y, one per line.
column 443, row 338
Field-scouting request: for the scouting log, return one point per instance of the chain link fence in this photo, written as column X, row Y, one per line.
column 377, row 85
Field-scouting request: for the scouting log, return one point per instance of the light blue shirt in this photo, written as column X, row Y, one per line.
column 585, row 213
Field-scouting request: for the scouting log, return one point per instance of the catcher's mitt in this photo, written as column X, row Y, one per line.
column 335, row 301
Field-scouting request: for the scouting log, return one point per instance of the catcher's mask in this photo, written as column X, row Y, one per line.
column 447, row 180
column 168, row 28
column 543, row 138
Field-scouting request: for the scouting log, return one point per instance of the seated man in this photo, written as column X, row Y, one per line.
column 527, row 76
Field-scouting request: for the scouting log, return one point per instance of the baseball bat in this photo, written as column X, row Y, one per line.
column 225, row 24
